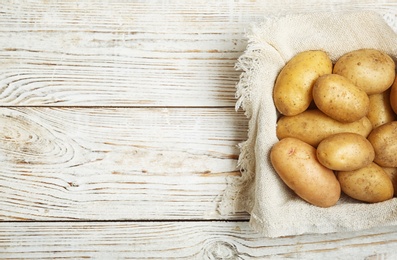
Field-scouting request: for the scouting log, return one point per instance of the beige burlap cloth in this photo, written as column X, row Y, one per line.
column 274, row 209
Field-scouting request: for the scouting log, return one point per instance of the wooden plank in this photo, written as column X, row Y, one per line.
column 137, row 53
column 116, row 163
column 184, row 240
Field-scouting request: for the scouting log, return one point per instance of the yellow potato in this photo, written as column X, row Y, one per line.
column 312, row 126
column 380, row 110
column 340, row 99
column 393, row 96
column 384, row 140
column 392, row 173
column 371, row 70
column 292, row 93
column 345, row 152
column 297, row 165
column 369, row 184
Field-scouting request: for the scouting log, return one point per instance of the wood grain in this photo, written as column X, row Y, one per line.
column 137, row 53
column 184, row 240
column 116, row 163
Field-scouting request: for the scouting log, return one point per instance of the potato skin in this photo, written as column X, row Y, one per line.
column 380, row 110
column 345, row 152
column 297, row 165
column 393, row 96
column 371, row 70
column 340, row 99
column 392, row 173
column 384, row 140
column 312, row 126
column 292, row 93
column 369, row 184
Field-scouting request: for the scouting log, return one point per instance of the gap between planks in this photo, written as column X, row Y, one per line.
column 129, row 220
column 122, row 107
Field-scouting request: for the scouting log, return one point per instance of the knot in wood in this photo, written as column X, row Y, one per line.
column 221, row 250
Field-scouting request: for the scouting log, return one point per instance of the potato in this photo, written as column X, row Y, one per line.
column 345, row 152
column 296, row 163
column 380, row 110
column 312, row 126
column 384, row 140
column 392, row 173
column 369, row 184
column 393, row 96
column 340, row 99
column 292, row 93
column 371, row 70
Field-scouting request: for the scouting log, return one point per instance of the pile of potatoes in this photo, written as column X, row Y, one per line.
column 337, row 128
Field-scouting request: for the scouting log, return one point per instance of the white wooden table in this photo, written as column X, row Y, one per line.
column 118, row 131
